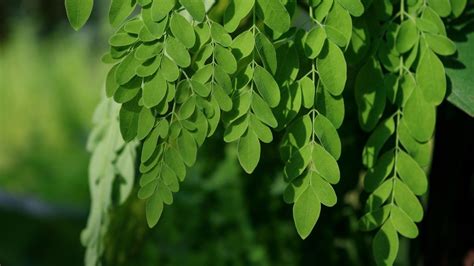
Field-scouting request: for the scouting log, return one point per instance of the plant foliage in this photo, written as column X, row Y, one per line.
column 111, row 176
column 397, row 90
column 178, row 73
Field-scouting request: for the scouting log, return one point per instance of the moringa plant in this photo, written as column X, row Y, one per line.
column 179, row 71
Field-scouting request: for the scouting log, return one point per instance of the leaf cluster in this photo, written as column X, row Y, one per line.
column 179, row 74
column 397, row 90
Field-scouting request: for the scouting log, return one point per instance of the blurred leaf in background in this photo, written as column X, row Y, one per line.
column 460, row 69
column 48, row 91
column 49, row 86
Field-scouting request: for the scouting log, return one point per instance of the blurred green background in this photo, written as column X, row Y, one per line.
column 51, row 79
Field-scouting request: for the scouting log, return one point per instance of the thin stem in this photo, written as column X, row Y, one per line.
column 397, row 125
column 397, row 149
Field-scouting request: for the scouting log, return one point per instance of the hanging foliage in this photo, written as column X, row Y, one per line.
column 267, row 66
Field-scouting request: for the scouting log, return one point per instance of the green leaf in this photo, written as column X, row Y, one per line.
column 224, row 101
column 407, row 36
column 187, row 148
column 154, row 91
column 129, row 121
column 431, row 79
column 426, row 25
column 154, row 208
column 419, row 116
column 296, row 187
column 161, row 9
column 225, row 59
column 458, row 7
column 133, row 26
column 177, row 51
column 156, row 28
column 370, row 94
column 223, row 79
column 174, row 161
column 187, row 109
column 407, row 201
column 300, row 131
column 324, row 164
column 327, row 135
column 402, row 223
column 111, row 84
column 266, row 52
column 169, row 69
column 388, row 56
column 323, row 190
column 412, row 56
column 249, row 151
column 274, row 15
column 430, row 15
column 203, row 34
column 385, row 245
column 354, row 7
column 163, row 128
column 243, row 45
column 165, row 193
column 202, row 126
column 127, row 69
column 421, row 152
column 263, row 132
column 338, row 25
column 440, row 44
column 407, row 84
column 147, row 50
column 235, row 12
column 442, row 7
column 149, row 67
column 182, row 30
column 376, row 141
column 120, row 10
column 204, row 74
column 289, row 106
column 149, row 145
column 199, row 88
column 288, row 64
column 236, row 129
column 314, row 3
column 267, row 86
column 220, row 35
column 298, row 162
column 358, row 48
column 314, row 42
column 374, row 219
column 144, row 2
column 195, row 8
column 78, row 12
column 379, row 196
column 148, row 184
column 330, row 106
column 122, row 39
column 322, row 9
column 308, row 91
column 411, row 174
column 306, row 212
column 263, row 111
column 170, row 178
column 332, row 68
column 128, row 91
column 375, row 176
column 462, row 94
column 240, row 106
column 146, row 121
